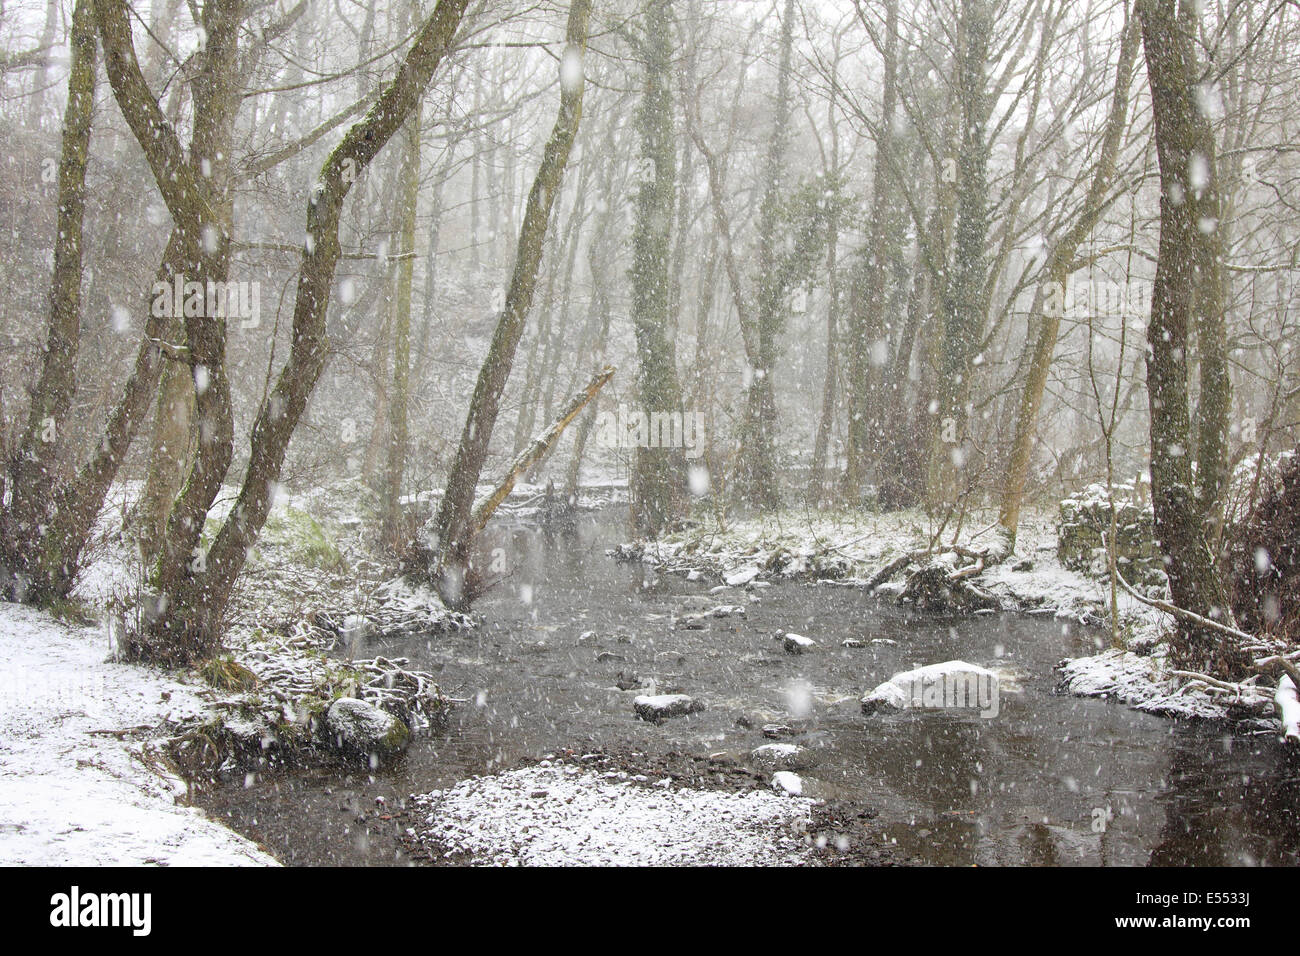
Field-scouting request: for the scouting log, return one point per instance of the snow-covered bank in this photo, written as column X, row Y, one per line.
column 312, row 592
column 853, row 548
column 81, row 782
column 870, row 551
column 563, row 815
column 1144, row 683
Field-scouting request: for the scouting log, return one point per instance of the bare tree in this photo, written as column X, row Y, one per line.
column 454, row 522
column 191, row 587
column 1186, row 294
column 33, row 472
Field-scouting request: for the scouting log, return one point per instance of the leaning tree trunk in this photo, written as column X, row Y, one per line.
column 454, row 521
column 1187, row 284
column 192, row 594
column 33, row 471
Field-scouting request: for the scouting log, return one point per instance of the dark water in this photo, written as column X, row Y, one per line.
column 1051, row 780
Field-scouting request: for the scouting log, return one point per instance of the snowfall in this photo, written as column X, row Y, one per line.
column 81, row 782
column 85, row 783
column 85, row 780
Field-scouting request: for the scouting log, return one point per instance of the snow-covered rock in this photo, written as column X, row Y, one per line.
column 742, row 577
column 361, row 727
column 789, row 782
column 782, row 757
column 950, row 685
column 797, row 643
column 1288, row 709
column 663, row 706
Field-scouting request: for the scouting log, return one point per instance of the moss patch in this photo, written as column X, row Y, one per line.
column 225, row 673
column 304, row 538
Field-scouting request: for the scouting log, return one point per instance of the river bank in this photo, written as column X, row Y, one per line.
column 547, row 682
column 84, row 777
column 870, row 552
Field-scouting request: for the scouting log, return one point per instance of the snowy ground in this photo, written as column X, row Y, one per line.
column 78, row 785
column 1143, row 682
column 564, row 815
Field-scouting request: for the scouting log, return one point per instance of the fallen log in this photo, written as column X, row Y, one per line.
column 537, row 449
column 1189, row 616
column 1286, row 684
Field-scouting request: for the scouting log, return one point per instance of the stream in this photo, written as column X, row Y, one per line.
column 1050, row 780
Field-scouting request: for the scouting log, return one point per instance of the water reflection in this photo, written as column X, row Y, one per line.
column 1050, row 781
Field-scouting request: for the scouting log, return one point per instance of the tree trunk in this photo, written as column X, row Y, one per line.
column 454, row 522
column 964, row 303
column 1186, row 286
column 830, row 386
column 866, row 315
column 658, row 486
column 393, row 532
column 171, row 453
column 33, row 472
column 756, row 478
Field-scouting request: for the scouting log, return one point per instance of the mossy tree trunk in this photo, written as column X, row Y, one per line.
column 658, row 486
column 1186, row 294
column 866, row 319
column 454, row 521
column 399, row 401
column 194, row 189
column 756, row 472
column 964, row 302
column 171, row 452
column 36, row 463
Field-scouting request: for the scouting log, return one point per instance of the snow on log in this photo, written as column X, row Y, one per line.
column 1288, row 709
column 538, row 447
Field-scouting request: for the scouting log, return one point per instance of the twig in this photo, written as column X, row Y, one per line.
column 1183, row 613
